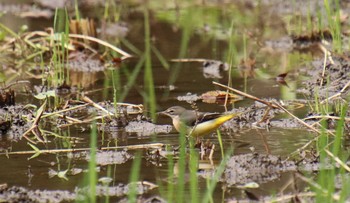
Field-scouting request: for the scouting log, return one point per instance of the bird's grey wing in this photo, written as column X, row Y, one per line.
column 192, row 118
column 189, row 118
column 202, row 117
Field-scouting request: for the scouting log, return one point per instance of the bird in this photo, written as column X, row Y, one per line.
column 195, row 123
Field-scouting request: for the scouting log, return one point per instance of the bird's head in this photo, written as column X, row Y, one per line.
column 173, row 111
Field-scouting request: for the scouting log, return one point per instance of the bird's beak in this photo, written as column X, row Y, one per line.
column 164, row 113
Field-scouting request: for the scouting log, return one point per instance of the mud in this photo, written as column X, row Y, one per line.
column 20, row 194
column 130, row 121
column 111, row 157
column 17, row 120
column 260, row 168
column 25, row 10
column 334, row 79
column 85, row 68
column 155, row 199
column 84, row 63
column 144, row 128
column 256, row 115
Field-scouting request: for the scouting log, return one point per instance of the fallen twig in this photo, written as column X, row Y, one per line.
column 336, row 197
column 186, row 60
column 340, row 162
column 325, row 116
column 270, row 104
column 88, row 100
column 302, row 148
column 106, row 44
column 283, row 198
column 337, row 94
column 53, row 151
column 65, row 110
column 298, row 119
column 35, row 126
column 325, row 51
column 246, row 95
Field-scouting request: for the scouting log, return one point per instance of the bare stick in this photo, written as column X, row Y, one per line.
column 337, row 94
column 125, row 55
column 340, row 162
column 88, row 100
column 347, row 119
column 298, row 119
column 302, row 148
column 324, row 63
column 84, row 121
column 317, row 186
column 246, row 95
column 185, row 60
column 64, row 110
column 16, row 83
column 283, row 198
column 274, row 105
column 53, row 151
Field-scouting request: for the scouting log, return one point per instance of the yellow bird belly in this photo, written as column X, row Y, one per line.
column 209, row 126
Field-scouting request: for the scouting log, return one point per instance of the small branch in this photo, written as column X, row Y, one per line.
column 325, row 51
column 330, row 117
column 301, row 148
column 336, row 197
column 186, row 60
column 246, row 95
column 106, row 44
column 270, row 104
column 340, row 162
column 290, row 197
column 298, row 119
column 88, row 100
column 16, row 83
column 53, row 151
column 337, row 94
column 64, row 110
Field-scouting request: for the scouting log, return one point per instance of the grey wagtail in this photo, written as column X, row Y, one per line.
column 195, row 123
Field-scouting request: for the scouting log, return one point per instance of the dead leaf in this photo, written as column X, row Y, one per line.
column 219, row 97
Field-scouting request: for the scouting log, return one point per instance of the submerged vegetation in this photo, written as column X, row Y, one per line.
column 79, row 98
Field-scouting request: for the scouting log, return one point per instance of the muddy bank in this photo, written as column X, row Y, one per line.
column 15, row 120
column 21, row 194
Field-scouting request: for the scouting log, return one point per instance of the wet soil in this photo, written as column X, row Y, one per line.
column 20, row 194
column 15, row 121
column 270, row 146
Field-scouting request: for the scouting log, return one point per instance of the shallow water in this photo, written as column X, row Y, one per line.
column 179, row 80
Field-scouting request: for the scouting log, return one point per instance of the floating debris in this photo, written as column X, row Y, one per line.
column 219, row 97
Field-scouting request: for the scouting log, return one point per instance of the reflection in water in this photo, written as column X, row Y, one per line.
column 82, row 79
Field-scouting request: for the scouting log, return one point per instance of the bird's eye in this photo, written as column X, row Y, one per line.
column 171, row 111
